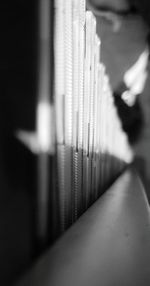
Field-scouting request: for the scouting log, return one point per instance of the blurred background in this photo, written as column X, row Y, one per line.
column 120, row 50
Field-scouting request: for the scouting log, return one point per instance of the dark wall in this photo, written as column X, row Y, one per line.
column 17, row 111
column 143, row 6
column 17, row 68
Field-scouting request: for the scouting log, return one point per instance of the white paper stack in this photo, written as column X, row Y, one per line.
column 88, row 131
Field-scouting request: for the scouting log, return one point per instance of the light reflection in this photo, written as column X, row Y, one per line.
column 136, row 76
column 45, row 127
column 43, row 139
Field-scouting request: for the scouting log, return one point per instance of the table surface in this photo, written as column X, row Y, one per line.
column 108, row 245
